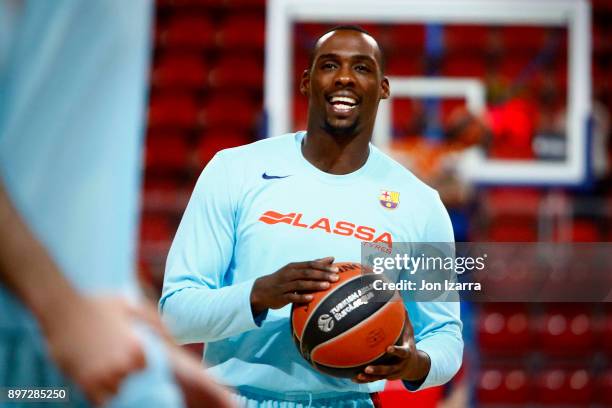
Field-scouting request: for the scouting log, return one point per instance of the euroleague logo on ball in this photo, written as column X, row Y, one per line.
column 325, row 322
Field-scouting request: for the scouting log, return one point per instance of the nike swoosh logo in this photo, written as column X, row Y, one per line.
column 266, row 177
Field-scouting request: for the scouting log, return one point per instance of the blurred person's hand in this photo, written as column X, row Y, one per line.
column 91, row 339
column 198, row 388
column 93, row 343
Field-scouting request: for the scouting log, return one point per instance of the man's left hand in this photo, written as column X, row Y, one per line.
column 413, row 364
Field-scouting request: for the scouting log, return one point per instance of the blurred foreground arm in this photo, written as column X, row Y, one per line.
column 91, row 342
column 198, row 388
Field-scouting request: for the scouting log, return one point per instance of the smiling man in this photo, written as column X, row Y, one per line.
column 266, row 222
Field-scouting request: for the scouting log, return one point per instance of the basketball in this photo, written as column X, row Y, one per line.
column 350, row 325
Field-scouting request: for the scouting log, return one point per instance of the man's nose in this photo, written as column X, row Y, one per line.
column 344, row 77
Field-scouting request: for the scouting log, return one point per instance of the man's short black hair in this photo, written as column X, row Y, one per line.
column 350, row 27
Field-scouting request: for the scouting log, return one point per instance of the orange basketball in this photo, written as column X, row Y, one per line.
column 350, row 325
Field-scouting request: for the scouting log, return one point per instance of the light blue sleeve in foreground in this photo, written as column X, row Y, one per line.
column 441, row 337
column 195, row 304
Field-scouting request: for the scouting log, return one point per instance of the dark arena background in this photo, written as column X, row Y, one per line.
column 507, row 115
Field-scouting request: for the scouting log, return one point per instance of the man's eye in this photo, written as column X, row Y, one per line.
column 362, row 68
column 328, row 65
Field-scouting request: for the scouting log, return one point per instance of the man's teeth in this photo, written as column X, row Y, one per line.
column 343, row 100
column 343, row 107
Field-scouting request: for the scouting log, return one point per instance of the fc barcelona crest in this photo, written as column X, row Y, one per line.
column 389, row 199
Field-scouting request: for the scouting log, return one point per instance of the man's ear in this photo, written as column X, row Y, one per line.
column 305, row 82
column 386, row 88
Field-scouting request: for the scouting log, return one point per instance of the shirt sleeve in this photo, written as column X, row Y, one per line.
column 195, row 305
column 437, row 325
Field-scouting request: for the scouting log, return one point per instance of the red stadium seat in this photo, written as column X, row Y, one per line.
column 247, row 3
column 156, row 232
column 511, row 68
column 601, row 5
column 242, row 31
column 403, row 111
column 191, row 3
column 237, row 72
column 607, row 331
column 565, row 387
column 187, row 31
column 165, row 196
column 180, row 70
column 228, row 110
column 600, row 40
column 585, row 231
column 300, row 63
column 512, row 228
column 214, row 140
column 602, row 83
column 173, row 110
column 404, row 65
column 561, row 76
column 145, row 273
column 462, row 38
column 503, row 386
column 169, row 150
column 509, row 200
column 523, row 38
column 300, row 113
column 505, row 329
column 464, row 66
column 156, row 229
column 406, row 38
column 566, row 330
column 604, row 388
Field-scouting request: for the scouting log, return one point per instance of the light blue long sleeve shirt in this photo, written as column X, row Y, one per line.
column 240, row 225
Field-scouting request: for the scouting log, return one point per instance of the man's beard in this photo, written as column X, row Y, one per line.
column 341, row 131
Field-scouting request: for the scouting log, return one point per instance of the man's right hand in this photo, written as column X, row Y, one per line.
column 288, row 284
